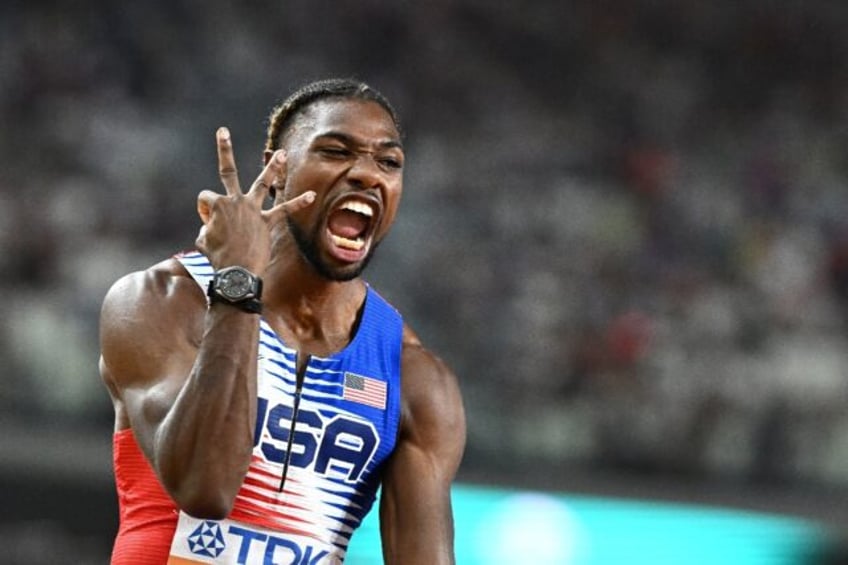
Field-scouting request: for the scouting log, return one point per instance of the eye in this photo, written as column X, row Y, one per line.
column 334, row 151
column 390, row 163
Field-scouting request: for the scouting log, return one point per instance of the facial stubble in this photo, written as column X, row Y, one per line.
column 307, row 245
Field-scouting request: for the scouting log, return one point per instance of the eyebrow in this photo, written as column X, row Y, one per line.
column 350, row 140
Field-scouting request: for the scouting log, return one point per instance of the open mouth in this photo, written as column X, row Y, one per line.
column 349, row 226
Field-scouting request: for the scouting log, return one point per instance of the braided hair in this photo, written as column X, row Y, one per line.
column 284, row 114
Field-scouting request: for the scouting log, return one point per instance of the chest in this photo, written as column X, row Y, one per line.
column 334, row 416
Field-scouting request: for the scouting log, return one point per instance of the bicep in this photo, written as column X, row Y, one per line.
column 415, row 509
column 415, row 515
column 146, row 350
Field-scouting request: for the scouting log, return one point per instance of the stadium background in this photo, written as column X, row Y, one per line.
column 625, row 226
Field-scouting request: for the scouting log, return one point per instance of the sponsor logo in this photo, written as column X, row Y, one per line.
column 207, row 539
column 254, row 546
column 251, row 546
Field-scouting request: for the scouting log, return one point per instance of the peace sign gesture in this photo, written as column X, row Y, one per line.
column 236, row 229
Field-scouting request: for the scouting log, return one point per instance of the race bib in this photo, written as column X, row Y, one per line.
column 227, row 542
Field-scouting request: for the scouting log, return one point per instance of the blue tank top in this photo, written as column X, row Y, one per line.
column 319, row 444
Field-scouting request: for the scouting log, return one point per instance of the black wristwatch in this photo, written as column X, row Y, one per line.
column 237, row 287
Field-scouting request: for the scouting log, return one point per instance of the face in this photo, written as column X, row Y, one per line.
column 349, row 153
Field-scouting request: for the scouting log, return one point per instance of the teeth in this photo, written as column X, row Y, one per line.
column 358, row 207
column 354, row 244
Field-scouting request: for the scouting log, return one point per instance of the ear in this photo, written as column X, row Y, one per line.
column 266, row 157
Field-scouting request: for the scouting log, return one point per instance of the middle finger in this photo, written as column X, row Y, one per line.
column 274, row 170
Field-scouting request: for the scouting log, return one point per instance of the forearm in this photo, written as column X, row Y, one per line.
column 202, row 448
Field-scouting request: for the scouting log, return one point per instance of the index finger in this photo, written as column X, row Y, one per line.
column 227, row 163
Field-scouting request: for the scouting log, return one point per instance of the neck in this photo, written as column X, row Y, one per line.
column 309, row 311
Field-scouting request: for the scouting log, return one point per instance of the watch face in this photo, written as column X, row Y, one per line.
column 235, row 284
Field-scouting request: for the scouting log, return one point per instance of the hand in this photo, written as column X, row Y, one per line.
column 236, row 230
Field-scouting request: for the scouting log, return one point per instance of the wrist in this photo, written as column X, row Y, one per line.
column 238, row 287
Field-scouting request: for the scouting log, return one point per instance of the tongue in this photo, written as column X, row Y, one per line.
column 347, row 224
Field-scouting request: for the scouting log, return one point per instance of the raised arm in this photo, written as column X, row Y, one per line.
column 183, row 376
column 416, row 519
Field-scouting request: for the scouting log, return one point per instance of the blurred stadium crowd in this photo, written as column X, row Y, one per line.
column 625, row 224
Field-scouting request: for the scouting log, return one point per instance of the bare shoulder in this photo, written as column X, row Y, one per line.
column 145, row 315
column 422, row 366
column 433, row 412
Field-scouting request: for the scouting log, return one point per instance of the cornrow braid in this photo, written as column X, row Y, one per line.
column 283, row 115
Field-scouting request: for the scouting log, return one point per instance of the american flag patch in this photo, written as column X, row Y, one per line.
column 365, row 390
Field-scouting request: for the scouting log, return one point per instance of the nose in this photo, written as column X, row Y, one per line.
column 365, row 173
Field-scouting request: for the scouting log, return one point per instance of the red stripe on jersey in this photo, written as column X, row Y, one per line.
column 148, row 516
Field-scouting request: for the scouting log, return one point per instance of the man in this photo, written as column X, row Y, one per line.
column 262, row 390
